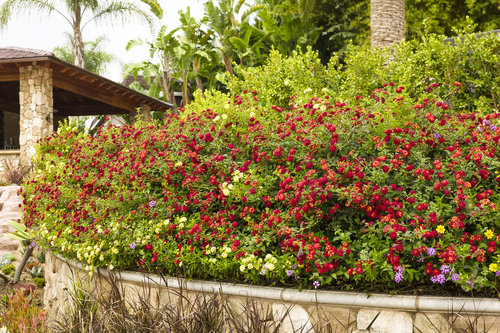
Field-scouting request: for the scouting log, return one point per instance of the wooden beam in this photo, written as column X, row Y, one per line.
column 9, row 75
column 92, row 91
column 87, row 109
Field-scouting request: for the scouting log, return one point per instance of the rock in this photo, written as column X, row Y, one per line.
column 365, row 317
column 432, row 323
column 296, row 320
column 391, row 322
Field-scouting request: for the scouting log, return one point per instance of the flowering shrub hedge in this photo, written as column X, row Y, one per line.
column 318, row 195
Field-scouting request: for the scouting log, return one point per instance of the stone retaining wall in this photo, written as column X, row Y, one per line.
column 346, row 312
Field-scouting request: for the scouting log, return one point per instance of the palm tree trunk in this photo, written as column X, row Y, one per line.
column 21, row 265
column 167, row 78
column 387, row 20
column 78, row 51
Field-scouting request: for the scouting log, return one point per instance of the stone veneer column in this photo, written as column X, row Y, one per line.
column 144, row 111
column 36, row 107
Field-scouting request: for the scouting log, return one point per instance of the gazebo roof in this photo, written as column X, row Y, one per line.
column 76, row 90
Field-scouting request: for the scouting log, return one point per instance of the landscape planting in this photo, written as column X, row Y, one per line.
column 317, row 195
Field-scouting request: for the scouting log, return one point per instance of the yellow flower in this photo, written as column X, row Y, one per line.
column 493, row 267
column 489, row 234
column 440, row 229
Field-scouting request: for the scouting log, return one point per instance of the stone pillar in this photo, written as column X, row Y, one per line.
column 144, row 112
column 387, row 22
column 36, row 107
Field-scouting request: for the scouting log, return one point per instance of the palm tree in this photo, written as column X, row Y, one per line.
column 387, row 19
column 79, row 13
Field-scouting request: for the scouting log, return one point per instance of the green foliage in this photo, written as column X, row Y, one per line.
column 282, row 77
column 8, row 269
column 39, row 281
column 472, row 63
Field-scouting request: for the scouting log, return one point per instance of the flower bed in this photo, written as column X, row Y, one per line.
column 391, row 195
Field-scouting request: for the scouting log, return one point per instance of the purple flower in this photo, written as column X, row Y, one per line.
column 441, row 279
column 32, row 245
column 493, row 127
column 400, row 269
column 445, row 269
column 437, row 136
column 316, row 284
column 152, row 203
column 455, row 277
column 498, row 273
column 263, row 272
column 398, row 277
column 486, row 122
column 471, row 284
column 431, row 252
column 132, row 246
column 289, row 273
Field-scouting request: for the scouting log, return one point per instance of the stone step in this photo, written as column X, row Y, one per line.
column 7, row 245
column 5, row 228
column 10, row 207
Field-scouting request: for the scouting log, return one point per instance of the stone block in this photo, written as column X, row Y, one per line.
column 390, row 322
column 294, row 318
column 336, row 318
column 366, row 317
column 432, row 323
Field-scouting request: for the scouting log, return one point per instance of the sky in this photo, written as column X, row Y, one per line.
column 44, row 32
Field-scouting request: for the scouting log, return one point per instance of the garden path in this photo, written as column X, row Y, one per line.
column 9, row 210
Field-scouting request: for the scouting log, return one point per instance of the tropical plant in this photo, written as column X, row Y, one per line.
column 79, row 13
column 95, row 58
column 158, row 76
column 287, row 24
column 223, row 20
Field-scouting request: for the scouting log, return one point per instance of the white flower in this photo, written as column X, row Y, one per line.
column 252, row 114
column 307, row 90
column 182, row 219
column 216, row 119
column 224, row 116
column 286, row 82
column 181, row 225
column 166, row 222
column 250, row 266
column 213, row 249
column 178, row 164
column 227, row 249
column 224, row 255
column 242, row 268
column 270, row 266
column 225, row 191
column 111, row 266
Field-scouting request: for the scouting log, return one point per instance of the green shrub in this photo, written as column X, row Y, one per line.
column 301, row 74
column 39, row 281
column 8, row 269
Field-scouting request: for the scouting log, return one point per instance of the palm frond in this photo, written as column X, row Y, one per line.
column 11, row 7
column 123, row 10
